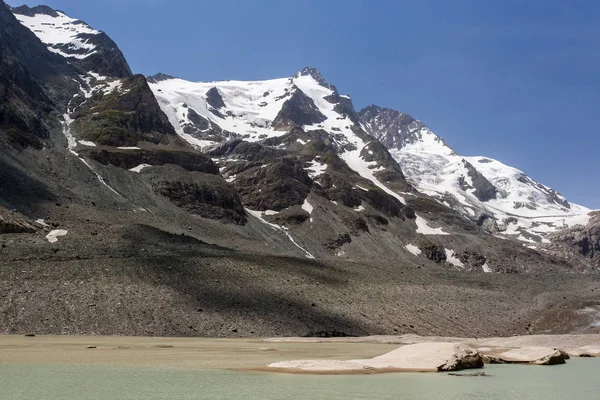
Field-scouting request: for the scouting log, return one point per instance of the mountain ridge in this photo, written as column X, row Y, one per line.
column 168, row 207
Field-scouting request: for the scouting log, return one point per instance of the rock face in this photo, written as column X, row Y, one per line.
column 202, row 194
column 527, row 355
column 123, row 117
column 34, row 85
column 299, row 110
column 15, row 225
column 581, row 241
column 422, row 357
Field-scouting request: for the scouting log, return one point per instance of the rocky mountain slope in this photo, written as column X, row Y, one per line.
column 501, row 198
column 232, row 207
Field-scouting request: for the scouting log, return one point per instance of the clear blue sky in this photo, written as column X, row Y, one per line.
column 515, row 80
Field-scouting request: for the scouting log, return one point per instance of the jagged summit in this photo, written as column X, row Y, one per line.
column 314, row 73
column 159, row 77
column 37, row 10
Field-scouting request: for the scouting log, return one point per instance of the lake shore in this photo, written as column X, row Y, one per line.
column 204, row 353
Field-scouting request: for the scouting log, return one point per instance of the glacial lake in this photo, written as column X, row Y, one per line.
column 579, row 379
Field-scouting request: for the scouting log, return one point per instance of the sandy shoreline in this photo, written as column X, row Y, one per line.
column 185, row 353
column 255, row 354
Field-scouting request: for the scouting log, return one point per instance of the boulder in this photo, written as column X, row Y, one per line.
column 421, row 357
column 585, row 351
column 16, row 225
column 526, row 355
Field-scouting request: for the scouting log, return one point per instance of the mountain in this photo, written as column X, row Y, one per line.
column 87, row 49
column 502, row 198
column 158, row 206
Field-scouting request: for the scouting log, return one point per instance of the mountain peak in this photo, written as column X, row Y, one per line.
column 159, row 77
column 374, row 111
column 314, row 73
column 85, row 48
column 33, row 11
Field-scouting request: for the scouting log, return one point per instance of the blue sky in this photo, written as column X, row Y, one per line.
column 518, row 81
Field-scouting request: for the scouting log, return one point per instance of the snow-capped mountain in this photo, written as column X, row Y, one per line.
column 503, row 198
column 252, row 208
column 86, row 48
column 289, row 157
column 207, row 113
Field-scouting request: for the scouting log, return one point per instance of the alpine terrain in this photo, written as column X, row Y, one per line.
column 158, row 206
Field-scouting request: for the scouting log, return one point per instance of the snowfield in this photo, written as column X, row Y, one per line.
column 63, row 35
column 522, row 208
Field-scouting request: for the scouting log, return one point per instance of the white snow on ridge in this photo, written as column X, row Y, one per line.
column 59, row 31
column 340, row 126
column 250, row 107
column 524, row 209
column 433, row 167
column 534, row 208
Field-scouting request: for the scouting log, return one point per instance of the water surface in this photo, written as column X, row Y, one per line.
column 579, row 379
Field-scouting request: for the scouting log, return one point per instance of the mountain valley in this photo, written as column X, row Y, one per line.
column 136, row 205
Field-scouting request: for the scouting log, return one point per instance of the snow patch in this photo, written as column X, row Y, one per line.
column 87, row 143
column 62, row 35
column 315, row 169
column 450, row 258
column 140, row 167
column 425, row 229
column 413, row 249
column 486, row 268
column 55, row 234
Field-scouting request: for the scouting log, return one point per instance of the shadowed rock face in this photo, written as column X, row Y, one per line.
column 299, row 110
column 202, row 194
column 33, row 82
column 128, row 159
column 253, row 152
column 484, row 190
column 15, row 225
column 213, row 97
column 276, row 186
